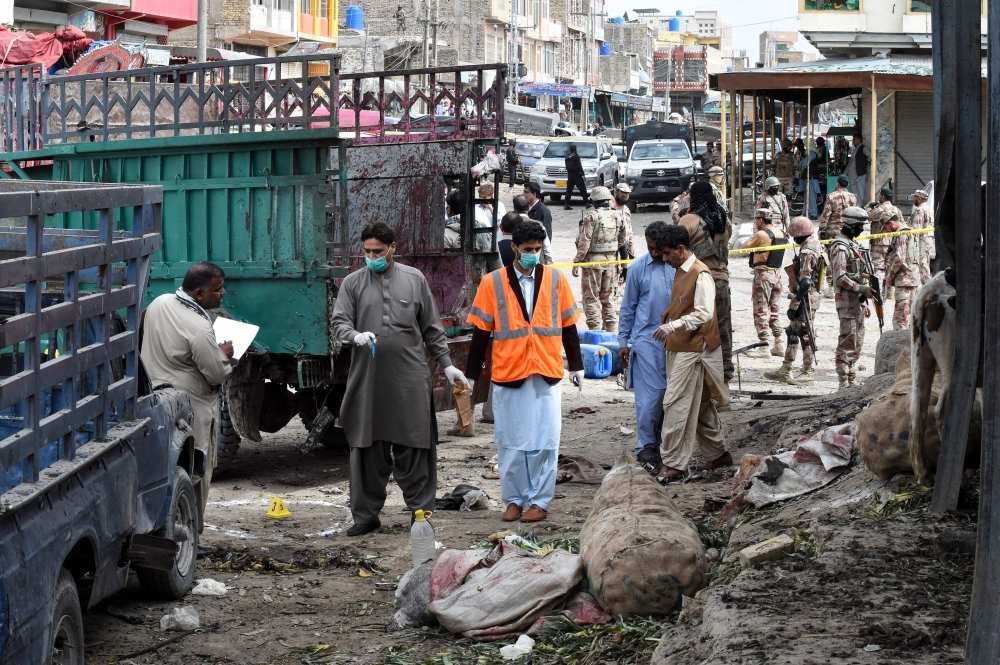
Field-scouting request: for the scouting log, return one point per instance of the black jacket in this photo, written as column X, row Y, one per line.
column 540, row 213
column 573, row 165
column 512, row 157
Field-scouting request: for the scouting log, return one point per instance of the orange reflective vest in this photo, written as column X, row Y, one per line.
column 522, row 348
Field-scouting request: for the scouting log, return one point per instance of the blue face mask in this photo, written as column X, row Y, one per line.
column 381, row 264
column 529, row 261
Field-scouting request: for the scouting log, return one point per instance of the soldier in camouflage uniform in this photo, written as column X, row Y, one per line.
column 851, row 289
column 717, row 178
column 710, row 157
column 879, row 217
column 922, row 217
column 806, row 273
column 619, row 202
column 836, row 202
column 679, row 206
column 773, row 200
column 602, row 232
column 767, row 286
column 786, row 165
column 903, row 271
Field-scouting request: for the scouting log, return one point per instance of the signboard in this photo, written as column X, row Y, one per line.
column 659, row 104
column 555, row 89
column 631, row 101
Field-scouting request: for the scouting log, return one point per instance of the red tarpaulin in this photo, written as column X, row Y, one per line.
column 24, row 48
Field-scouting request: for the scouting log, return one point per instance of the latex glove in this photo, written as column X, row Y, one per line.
column 364, row 338
column 661, row 333
column 576, row 378
column 454, row 374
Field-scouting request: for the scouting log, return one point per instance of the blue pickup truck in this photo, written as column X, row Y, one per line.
column 96, row 467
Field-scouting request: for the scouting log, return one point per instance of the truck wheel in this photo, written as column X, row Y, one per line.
column 182, row 526
column 227, row 440
column 67, row 623
column 555, row 197
column 632, row 205
column 334, row 438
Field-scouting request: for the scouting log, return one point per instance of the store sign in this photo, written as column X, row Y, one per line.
column 555, row 89
column 631, row 101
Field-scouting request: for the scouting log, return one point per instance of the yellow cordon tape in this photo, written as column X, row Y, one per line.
column 750, row 250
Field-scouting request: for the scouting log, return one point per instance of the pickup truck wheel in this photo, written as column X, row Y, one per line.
column 67, row 623
column 227, row 440
column 555, row 197
column 632, row 206
column 182, row 526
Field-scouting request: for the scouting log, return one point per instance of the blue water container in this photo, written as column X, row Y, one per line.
column 605, row 49
column 597, row 337
column 355, row 18
column 596, row 361
column 616, row 365
column 619, row 20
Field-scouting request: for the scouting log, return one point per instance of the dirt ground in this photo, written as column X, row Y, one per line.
column 872, row 568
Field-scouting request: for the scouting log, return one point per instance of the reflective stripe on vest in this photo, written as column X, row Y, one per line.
column 505, row 332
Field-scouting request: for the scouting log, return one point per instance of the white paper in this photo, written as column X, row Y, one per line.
column 239, row 333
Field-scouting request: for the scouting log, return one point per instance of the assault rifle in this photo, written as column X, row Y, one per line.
column 802, row 294
column 868, row 272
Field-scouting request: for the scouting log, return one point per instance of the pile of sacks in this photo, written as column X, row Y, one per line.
column 638, row 555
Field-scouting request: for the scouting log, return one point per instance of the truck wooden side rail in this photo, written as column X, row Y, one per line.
column 95, row 468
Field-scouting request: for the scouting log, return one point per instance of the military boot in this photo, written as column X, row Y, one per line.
column 778, row 350
column 781, row 374
column 844, row 385
column 852, row 380
column 759, row 352
column 806, row 378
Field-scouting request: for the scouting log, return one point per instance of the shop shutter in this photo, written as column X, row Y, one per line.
column 914, row 142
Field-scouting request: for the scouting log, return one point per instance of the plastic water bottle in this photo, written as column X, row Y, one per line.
column 422, row 538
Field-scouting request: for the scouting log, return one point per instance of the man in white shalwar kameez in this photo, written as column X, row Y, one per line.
column 530, row 311
column 695, row 384
column 179, row 348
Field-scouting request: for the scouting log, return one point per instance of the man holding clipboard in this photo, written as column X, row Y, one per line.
column 179, row 347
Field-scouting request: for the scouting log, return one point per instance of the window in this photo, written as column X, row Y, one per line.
column 306, row 7
column 490, row 49
column 831, row 5
column 561, row 149
column 920, row 7
column 323, row 8
column 661, row 151
column 550, row 58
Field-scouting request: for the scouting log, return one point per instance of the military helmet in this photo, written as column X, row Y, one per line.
column 772, row 182
column 600, row 194
column 716, row 170
column 800, row 226
column 854, row 215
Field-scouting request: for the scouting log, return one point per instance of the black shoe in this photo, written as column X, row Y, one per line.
column 362, row 529
column 567, row 208
column 205, row 551
column 649, row 459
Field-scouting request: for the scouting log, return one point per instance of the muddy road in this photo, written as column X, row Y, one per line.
column 299, row 590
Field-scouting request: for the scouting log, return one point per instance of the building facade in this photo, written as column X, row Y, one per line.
column 265, row 27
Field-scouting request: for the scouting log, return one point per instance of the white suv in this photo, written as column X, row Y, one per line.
column 658, row 169
column 600, row 166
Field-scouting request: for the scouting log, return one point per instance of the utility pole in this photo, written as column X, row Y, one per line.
column 202, row 40
column 434, row 32
column 513, row 52
column 670, row 78
column 588, row 52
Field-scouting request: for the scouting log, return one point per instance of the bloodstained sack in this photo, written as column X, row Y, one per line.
column 640, row 553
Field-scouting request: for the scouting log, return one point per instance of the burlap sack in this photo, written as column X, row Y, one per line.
column 883, row 431
column 641, row 555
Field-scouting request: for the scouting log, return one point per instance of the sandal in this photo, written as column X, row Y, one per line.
column 668, row 475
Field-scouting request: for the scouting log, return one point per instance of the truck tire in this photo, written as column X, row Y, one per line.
column 227, row 441
column 67, row 623
column 182, row 526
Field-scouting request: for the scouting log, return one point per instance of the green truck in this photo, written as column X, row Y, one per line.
column 270, row 167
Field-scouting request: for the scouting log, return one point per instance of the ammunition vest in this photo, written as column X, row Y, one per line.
column 774, row 257
column 703, row 246
column 854, row 264
column 605, row 238
column 912, row 257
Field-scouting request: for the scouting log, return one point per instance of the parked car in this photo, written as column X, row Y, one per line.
column 529, row 151
column 600, row 167
column 659, row 170
column 622, row 156
column 763, row 156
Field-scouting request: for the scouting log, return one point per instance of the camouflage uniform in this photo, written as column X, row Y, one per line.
column 679, row 206
column 720, row 196
column 922, row 217
column 807, row 266
column 765, row 292
column 903, row 272
column 846, row 267
column 710, row 159
column 778, row 205
column 622, row 270
column 602, row 232
column 836, row 202
column 879, row 217
column 785, row 167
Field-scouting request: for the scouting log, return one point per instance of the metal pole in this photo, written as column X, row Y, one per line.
column 723, row 155
column 434, row 30
column 670, row 77
column 753, row 167
column 774, row 150
column 872, row 170
column 202, row 43
column 982, row 643
column 742, row 114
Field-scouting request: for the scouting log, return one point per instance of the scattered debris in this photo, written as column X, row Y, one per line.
column 125, row 615
column 522, row 647
column 769, row 550
column 584, row 409
column 625, row 430
column 578, row 469
column 181, row 618
column 209, row 587
column 170, row 640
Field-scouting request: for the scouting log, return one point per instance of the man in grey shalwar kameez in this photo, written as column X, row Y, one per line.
column 179, row 348
column 386, row 311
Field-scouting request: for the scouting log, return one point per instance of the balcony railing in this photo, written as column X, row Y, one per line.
column 262, row 94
